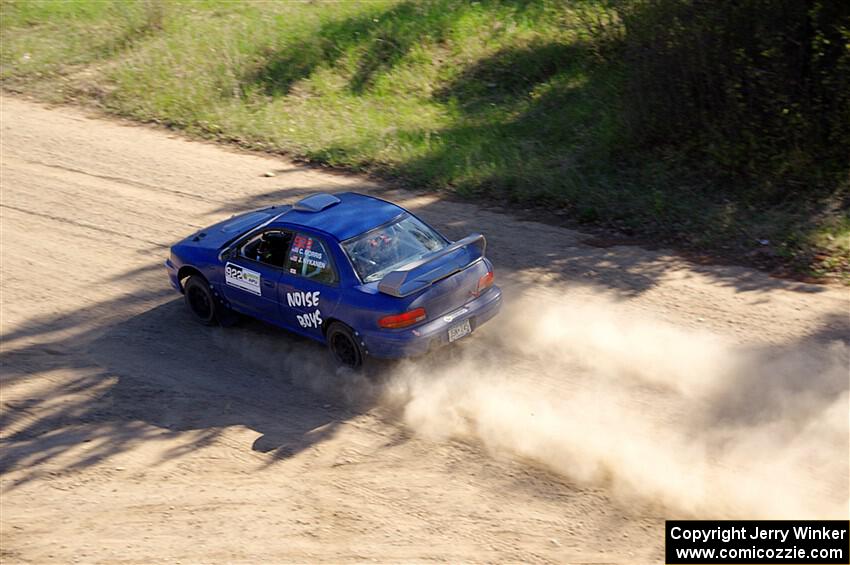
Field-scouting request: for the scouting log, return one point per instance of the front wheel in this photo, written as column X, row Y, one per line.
column 345, row 346
column 200, row 300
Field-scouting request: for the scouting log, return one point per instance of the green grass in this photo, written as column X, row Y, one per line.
column 516, row 100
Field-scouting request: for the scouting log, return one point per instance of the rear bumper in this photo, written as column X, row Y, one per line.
column 391, row 344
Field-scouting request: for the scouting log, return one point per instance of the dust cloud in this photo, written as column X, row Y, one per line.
column 658, row 414
column 661, row 416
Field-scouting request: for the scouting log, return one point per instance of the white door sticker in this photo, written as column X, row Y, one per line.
column 308, row 300
column 242, row 278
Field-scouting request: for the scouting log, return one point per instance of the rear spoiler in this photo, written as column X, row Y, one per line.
column 421, row 273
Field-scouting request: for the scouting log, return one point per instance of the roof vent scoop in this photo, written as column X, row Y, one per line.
column 316, row 202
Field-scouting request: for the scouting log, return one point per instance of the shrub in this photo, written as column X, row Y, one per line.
column 759, row 87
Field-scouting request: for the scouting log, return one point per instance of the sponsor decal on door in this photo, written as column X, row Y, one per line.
column 242, row 278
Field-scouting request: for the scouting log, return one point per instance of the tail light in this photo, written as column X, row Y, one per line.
column 485, row 282
column 402, row 320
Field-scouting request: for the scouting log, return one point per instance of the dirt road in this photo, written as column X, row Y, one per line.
column 620, row 387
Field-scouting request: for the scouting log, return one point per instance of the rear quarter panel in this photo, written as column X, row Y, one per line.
column 362, row 306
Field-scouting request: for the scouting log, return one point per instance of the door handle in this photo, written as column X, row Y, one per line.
column 269, row 284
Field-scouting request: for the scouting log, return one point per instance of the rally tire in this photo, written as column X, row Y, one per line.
column 345, row 346
column 201, row 301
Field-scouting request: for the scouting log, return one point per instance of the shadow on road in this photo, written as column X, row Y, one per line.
column 159, row 374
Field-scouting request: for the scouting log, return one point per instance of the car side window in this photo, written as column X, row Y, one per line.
column 309, row 258
column 269, row 248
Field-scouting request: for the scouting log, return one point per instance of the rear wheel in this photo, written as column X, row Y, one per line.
column 200, row 300
column 345, row 346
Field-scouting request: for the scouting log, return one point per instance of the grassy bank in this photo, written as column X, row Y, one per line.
column 530, row 101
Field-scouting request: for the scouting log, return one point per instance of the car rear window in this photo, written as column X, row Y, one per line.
column 384, row 249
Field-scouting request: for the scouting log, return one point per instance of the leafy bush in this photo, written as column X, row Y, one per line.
column 760, row 87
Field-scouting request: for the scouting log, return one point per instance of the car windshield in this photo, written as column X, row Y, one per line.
column 377, row 252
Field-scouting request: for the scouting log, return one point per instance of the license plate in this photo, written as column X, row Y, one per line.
column 459, row 331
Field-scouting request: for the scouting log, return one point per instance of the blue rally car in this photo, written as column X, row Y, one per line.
column 360, row 274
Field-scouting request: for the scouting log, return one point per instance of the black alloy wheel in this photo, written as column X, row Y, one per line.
column 200, row 300
column 345, row 346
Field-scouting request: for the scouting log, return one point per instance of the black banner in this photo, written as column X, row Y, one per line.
column 757, row 541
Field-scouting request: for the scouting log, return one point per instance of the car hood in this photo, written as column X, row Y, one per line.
column 217, row 235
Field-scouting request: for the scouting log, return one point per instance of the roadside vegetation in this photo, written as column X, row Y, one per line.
column 707, row 125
